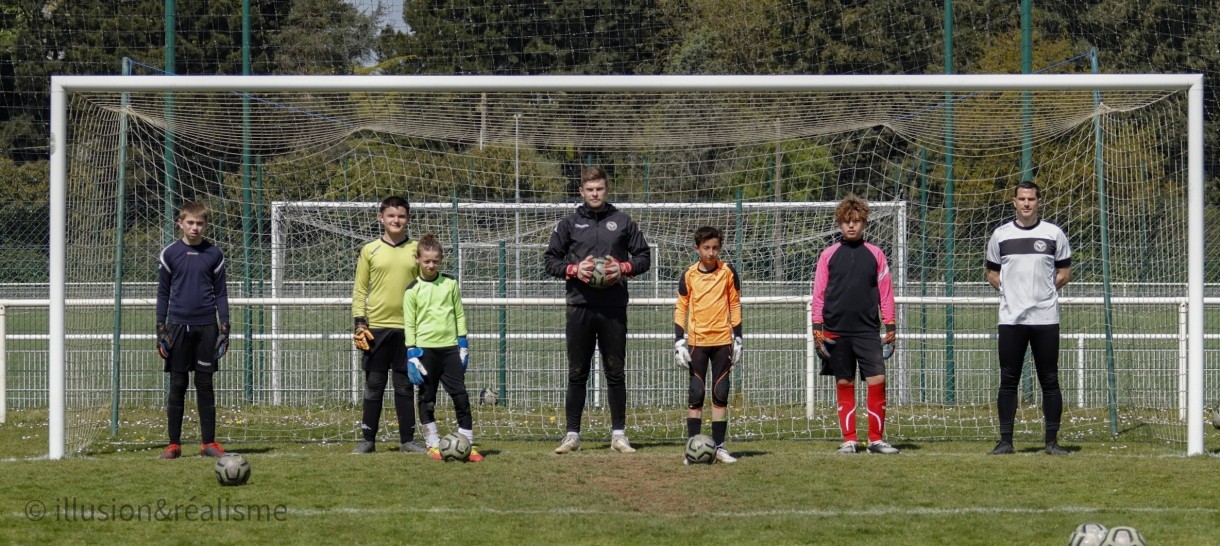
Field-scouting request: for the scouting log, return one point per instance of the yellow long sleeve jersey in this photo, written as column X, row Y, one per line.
column 708, row 309
column 383, row 272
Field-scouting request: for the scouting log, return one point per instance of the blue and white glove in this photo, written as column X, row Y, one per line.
column 464, row 350
column 682, row 353
column 737, row 348
column 415, row 368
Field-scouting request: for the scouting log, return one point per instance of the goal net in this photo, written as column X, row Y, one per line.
column 292, row 168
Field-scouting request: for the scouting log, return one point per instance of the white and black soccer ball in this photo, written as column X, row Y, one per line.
column 598, row 279
column 1088, row 534
column 700, row 450
column 1216, row 418
column 232, row 469
column 454, row 447
column 488, row 397
column 1123, row 536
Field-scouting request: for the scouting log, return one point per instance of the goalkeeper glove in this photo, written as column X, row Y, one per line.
column 616, row 270
column 464, row 351
column 887, row 341
column 415, row 368
column 582, row 270
column 222, row 340
column 737, row 348
column 682, row 353
column 164, row 341
column 822, row 342
column 362, row 336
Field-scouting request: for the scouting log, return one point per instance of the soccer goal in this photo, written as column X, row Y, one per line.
column 290, row 165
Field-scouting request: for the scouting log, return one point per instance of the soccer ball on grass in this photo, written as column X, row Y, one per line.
column 1123, row 536
column 700, row 450
column 1088, row 534
column 454, row 447
column 232, row 469
column 488, row 397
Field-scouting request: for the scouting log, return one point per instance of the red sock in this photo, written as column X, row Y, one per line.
column 876, row 412
column 847, row 410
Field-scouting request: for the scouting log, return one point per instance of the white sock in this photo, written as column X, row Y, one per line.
column 469, row 434
column 617, row 433
column 431, row 438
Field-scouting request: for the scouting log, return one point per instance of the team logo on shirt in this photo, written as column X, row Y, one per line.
column 612, row 226
column 581, row 226
column 1040, row 246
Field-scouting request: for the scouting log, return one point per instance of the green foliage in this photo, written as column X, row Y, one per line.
column 567, row 36
column 805, row 168
column 324, row 37
column 367, row 164
column 23, row 221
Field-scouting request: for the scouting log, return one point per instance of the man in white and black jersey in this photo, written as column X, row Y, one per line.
column 1028, row 261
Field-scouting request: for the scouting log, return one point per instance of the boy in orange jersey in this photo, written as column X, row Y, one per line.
column 707, row 330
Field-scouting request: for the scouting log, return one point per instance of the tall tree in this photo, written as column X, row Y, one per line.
column 560, row 37
column 324, row 37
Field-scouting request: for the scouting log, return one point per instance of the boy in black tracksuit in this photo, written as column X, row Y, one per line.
column 596, row 317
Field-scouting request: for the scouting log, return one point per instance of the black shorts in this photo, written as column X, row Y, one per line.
column 192, row 348
column 856, row 353
column 387, row 351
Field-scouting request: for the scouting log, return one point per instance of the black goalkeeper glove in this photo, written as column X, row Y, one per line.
column 164, row 341
column 222, row 341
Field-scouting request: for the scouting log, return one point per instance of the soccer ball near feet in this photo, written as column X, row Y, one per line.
column 454, row 447
column 700, row 450
column 232, row 469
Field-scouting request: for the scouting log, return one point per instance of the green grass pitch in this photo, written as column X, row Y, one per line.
column 781, row 492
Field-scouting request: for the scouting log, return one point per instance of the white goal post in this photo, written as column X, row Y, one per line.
column 61, row 86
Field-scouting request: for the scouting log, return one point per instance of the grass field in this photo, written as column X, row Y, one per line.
column 781, row 492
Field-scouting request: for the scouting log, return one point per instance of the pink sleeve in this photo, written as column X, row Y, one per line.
column 885, row 285
column 821, row 276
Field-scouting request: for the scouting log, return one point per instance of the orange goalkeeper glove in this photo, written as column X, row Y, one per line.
column 362, row 336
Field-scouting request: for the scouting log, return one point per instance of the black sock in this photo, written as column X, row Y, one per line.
column 693, row 426
column 370, row 419
column 719, row 430
column 206, row 400
column 175, row 405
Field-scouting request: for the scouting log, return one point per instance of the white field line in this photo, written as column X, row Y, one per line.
column 811, row 512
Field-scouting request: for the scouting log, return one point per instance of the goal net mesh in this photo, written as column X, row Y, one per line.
column 490, row 174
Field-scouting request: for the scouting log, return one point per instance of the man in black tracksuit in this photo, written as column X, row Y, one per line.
column 596, row 317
